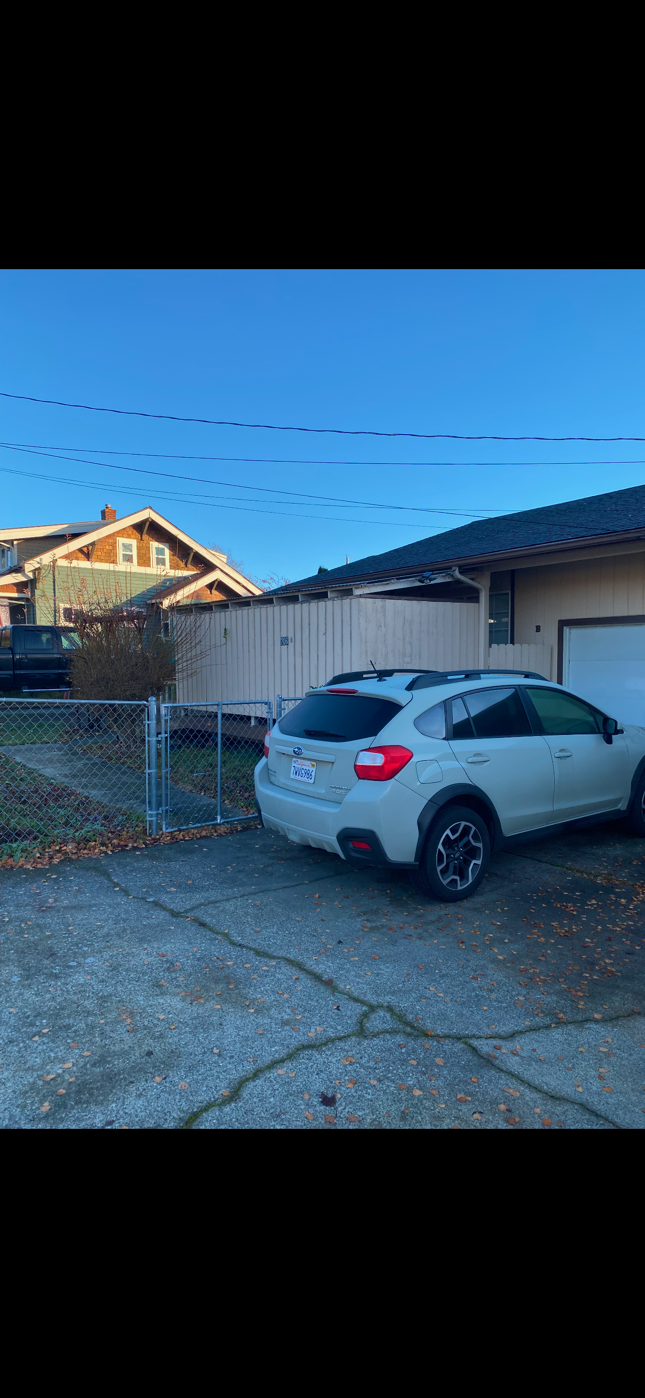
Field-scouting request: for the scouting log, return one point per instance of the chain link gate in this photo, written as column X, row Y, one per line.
column 77, row 770
column 208, row 756
column 72, row 770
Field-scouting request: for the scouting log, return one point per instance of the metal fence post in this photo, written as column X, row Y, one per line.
column 278, row 708
column 152, row 784
column 219, row 763
column 270, row 713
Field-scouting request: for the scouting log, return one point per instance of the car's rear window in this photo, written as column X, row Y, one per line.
column 338, row 718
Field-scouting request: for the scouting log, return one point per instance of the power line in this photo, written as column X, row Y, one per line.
column 298, row 461
column 326, row 499
column 174, row 498
column 333, row 431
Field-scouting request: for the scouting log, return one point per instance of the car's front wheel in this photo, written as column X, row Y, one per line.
column 455, row 857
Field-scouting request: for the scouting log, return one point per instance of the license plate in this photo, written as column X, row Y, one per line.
column 302, row 771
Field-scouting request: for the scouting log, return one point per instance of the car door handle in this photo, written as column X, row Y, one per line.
column 478, row 757
column 563, row 752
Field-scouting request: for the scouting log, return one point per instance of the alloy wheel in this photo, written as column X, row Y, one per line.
column 459, row 855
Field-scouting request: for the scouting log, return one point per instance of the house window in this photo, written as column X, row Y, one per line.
column 6, row 558
column 499, row 618
column 126, row 549
column 159, row 556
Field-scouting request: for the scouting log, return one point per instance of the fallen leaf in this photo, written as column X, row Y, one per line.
column 441, row 1061
column 512, row 1120
column 47, row 1077
column 513, row 1091
column 306, row 1096
column 331, row 1119
column 608, row 1089
column 225, row 1092
column 434, row 1091
column 87, row 1053
column 183, row 1084
column 502, row 1107
column 61, row 1092
column 73, row 1045
column 309, row 1116
column 45, row 1107
column 416, row 1092
column 474, row 1079
column 546, row 1121
column 477, row 1116
column 348, row 1060
column 353, row 1118
column 402, row 1086
column 158, row 1079
column 68, row 1065
column 597, row 1016
column 461, row 1098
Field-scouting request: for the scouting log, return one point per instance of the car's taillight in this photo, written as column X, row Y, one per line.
column 381, row 764
column 266, row 744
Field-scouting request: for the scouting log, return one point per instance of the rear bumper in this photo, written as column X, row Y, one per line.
column 382, row 814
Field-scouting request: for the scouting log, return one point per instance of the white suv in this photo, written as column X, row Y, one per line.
column 430, row 771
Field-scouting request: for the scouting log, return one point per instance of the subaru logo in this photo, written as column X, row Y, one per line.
column 297, row 752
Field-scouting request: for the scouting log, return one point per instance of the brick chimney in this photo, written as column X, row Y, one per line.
column 108, row 513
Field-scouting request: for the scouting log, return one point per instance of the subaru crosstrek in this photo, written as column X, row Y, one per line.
column 431, row 771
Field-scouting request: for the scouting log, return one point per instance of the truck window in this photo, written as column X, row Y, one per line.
column 70, row 640
column 5, row 636
column 39, row 641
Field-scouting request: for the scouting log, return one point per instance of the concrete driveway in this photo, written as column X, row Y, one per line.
column 240, row 982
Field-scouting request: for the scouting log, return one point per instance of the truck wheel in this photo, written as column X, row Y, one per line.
column 455, row 857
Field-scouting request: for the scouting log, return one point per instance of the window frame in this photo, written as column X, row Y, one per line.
column 531, row 713
column 502, row 592
column 126, row 562
column 154, row 544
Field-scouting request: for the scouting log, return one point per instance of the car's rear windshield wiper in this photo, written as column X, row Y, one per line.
column 322, row 733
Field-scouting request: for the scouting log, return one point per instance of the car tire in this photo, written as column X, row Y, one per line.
column 455, row 856
column 635, row 822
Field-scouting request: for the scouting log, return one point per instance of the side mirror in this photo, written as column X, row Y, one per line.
column 609, row 727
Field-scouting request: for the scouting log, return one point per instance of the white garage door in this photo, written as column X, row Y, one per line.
column 606, row 664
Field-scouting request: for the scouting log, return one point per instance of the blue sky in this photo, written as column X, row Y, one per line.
column 549, row 353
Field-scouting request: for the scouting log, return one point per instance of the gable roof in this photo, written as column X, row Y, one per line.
column 100, row 529
column 594, row 518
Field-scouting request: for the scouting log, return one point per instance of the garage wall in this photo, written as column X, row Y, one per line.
column 604, row 587
column 241, row 655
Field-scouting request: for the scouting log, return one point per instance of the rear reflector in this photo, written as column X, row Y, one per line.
column 381, row 764
column 359, row 844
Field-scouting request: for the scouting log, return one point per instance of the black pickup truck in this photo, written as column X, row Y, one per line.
column 34, row 658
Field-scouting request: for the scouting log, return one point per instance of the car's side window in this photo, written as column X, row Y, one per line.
column 564, row 714
column 433, row 722
column 461, row 722
column 498, row 713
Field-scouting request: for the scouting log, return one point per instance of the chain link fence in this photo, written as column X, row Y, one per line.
column 208, row 756
column 71, row 771
column 75, row 771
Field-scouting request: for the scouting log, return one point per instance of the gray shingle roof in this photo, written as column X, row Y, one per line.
column 615, row 512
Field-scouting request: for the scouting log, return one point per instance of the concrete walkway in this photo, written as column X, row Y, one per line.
column 239, row 982
column 117, row 786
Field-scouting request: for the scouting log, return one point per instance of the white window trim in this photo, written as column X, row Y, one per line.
column 154, row 545
column 126, row 562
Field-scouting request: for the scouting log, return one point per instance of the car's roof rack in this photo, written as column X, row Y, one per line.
column 375, row 674
column 423, row 681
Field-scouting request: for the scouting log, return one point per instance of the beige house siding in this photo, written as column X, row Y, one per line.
column 241, row 655
column 599, row 587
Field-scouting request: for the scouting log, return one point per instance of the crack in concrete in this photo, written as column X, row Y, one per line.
column 369, row 1008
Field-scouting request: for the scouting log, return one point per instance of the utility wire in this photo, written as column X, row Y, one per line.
column 323, row 499
column 298, row 461
column 174, row 498
column 333, row 431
